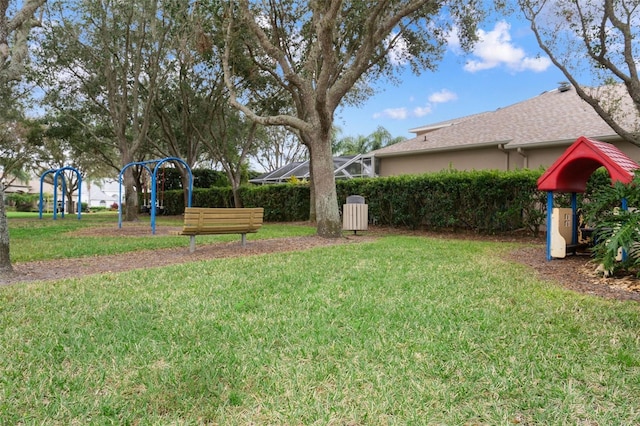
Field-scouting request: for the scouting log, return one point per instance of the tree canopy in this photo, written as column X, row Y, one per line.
column 596, row 40
column 322, row 54
column 361, row 144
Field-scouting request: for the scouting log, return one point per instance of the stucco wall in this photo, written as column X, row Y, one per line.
column 475, row 159
column 483, row 158
column 542, row 157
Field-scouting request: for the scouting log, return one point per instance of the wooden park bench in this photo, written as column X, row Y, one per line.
column 212, row 221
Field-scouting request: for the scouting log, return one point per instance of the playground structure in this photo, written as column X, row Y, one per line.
column 57, row 173
column 569, row 174
column 154, row 181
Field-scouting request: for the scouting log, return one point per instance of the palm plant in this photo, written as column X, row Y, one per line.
column 617, row 231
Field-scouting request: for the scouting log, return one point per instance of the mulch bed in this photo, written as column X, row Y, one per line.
column 576, row 273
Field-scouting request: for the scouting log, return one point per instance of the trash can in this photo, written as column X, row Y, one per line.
column 355, row 214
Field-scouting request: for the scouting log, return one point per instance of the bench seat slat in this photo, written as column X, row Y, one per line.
column 220, row 215
column 216, row 219
column 222, row 229
column 212, row 221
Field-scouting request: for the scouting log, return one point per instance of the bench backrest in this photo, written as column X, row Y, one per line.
column 222, row 220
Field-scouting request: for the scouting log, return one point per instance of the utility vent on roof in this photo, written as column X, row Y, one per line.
column 564, row 86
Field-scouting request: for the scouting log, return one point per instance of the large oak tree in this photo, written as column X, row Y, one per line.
column 16, row 21
column 325, row 53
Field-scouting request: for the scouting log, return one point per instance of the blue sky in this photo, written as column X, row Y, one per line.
column 506, row 66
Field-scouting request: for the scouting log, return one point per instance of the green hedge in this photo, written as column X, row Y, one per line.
column 483, row 201
column 282, row 203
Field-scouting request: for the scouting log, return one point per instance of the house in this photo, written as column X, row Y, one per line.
column 18, row 186
column 104, row 193
column 101, row 194
column 529, row 134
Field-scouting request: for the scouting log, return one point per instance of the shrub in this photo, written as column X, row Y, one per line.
column 169, row 179
column 24, row 202
column 482, row 201
column 617, row 231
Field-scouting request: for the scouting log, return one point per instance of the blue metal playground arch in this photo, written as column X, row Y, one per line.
column 57, row 173
column 154, row 180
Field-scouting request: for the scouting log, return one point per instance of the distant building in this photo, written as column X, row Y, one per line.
column 102, row 194
column 18, row 187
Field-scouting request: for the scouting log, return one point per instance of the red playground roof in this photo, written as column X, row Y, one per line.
column 571, row 171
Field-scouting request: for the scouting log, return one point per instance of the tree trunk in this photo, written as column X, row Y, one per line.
column 69, row 197
column 324, row 187
column 184, row 178
column 130, row 197
column 312, row 194
column 306, row 141
column 237, row 202
column 5, row 259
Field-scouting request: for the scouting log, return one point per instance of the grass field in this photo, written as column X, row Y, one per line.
column 33, row 239
column 402, row 330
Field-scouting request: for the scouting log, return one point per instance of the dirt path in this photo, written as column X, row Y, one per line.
column 77, row 267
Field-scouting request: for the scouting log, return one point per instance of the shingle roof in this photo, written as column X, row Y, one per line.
column 552, row 117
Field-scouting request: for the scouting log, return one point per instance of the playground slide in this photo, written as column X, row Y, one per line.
column 561, row 231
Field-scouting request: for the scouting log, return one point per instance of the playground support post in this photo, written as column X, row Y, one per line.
column 625, row 207
column 57, row 173
column 120, row 176
column 154, row 181
column 154, row 176
column 574, row 210
column 549, row 224
column 41, row 205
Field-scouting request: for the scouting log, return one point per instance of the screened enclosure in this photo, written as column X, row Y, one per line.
column 345, row 167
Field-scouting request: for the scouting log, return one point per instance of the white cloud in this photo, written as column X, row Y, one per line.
column 536, row 64
column 439, row 97
column 453, row 41
column 393, row 113
column 422, row 111
column 442, row 96
column 494, row 48
column 398, row 55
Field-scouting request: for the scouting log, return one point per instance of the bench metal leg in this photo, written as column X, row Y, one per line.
column 192, row 243
column 244, row 239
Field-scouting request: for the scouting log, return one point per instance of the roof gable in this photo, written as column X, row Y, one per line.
column 570, row 172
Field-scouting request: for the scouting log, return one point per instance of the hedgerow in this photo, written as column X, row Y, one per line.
column 485, row 201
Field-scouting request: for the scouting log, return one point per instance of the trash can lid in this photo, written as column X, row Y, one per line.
column 355, row 199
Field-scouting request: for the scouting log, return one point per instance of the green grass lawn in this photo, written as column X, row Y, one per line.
column 42, row 239
column 403, row 330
